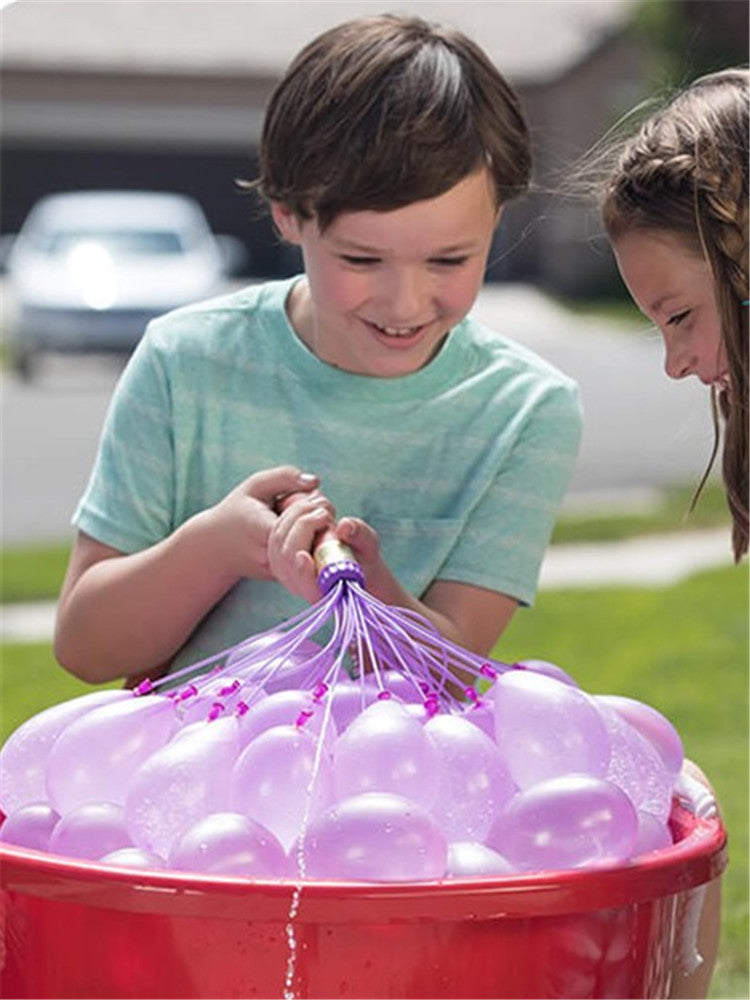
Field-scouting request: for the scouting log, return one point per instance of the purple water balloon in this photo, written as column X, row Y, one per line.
column 652, row 725
column 473, row 781
column 229, row 843
column 481, row 713
column 348, row 700
column 180, row 783
column 636, row 767
column 470, row 859
column 653, row 835
column 23, row 758
column 90, row 831
column 569, row 822
column 133, row 857
column 94, row 758
column 546, row 729
column 288, row 708
column 30, row 825
column 280, row 779
column 375, row 837
column 547, row 669
column 404, row 688
column 386, row 750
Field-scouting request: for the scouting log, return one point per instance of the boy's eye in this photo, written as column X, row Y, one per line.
column 358, row 261
column 449, row 261
column 678, row 318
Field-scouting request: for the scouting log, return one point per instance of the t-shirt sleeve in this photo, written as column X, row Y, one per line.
column 509, row 529
column 129, row 500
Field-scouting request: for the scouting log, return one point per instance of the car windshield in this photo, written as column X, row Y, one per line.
column 119, row 242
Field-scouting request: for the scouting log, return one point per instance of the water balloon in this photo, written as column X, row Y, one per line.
column 288, row 708
column 636, row 767
column 280, row 778
column 470, row 859
column 473, row 781
column 23, row 758
column 94, row 758
column 545, row 728
column 133, row 857
column 566, row 822
column 374, row 837
column 652, row 725
column 229, row 843
column 90, row 831
column 386, row 750
column 180, row 783
column 30, row 825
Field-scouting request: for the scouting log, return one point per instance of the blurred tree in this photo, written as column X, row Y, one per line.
column 691, row 37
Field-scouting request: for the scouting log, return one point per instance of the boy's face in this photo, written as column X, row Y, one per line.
column 383, row 289
column 674, row 289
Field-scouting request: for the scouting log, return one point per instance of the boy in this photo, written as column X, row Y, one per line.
column 389, row 150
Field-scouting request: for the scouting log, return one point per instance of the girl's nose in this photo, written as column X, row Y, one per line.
column 679, row 362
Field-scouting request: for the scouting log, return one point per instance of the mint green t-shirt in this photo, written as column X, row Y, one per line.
column 459, row 467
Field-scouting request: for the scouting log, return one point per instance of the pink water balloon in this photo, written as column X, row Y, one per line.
column 23, row 758
column 386, row 750
column 288, row 708
column 566, row 822
column 30, row 826
column 180, row 783
column 90, row 831
column 652, row 725
column 636, row 767
column 281, row 779
column 545, row 728
column 374, row 837
column 473, row 781
column 470, row 859
column 94, row 758
column 133, row 857
column 229, row 843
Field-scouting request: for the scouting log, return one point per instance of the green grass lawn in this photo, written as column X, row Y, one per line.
column 682, row 649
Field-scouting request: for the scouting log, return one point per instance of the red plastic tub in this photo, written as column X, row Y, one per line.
column 84, row 930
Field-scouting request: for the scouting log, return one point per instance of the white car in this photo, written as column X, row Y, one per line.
column 89, row 269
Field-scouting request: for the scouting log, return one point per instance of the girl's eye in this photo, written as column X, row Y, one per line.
column 678, row 318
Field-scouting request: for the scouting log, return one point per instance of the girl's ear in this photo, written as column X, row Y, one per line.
column 286, row 221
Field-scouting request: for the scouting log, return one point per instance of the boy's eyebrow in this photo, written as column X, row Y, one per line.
column 347, row 244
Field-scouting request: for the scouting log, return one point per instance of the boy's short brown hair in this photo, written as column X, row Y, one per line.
column 381, row 112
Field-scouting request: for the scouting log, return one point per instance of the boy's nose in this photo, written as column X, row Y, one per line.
column 405, row 299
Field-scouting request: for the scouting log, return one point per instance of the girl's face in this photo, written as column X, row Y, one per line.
column 674, row 289
column 382, row 289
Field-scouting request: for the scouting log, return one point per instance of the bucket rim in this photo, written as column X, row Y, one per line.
column 698, row 856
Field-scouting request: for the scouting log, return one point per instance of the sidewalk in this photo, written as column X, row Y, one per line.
column 645, row 561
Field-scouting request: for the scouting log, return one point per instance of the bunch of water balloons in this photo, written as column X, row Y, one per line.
column 283, row 766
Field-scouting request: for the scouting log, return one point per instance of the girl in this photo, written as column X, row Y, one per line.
column 675, row 211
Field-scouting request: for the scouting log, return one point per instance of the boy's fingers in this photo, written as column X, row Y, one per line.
column 269, row 484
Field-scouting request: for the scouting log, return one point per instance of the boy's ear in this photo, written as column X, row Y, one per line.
column 286, row 221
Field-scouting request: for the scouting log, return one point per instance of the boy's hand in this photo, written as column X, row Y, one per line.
column 365, row 544
column 242, row 523
column 292, row 540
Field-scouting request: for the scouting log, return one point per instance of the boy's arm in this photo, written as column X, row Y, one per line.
column 121, row 614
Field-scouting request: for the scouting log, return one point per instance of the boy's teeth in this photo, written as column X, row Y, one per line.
column 398, row 331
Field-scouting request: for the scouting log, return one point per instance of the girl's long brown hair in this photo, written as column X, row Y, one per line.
column 686, row 171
